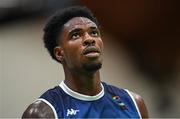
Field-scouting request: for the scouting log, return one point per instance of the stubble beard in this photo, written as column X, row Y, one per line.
column 92, row 67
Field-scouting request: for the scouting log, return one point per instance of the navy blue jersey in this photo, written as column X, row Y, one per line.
column 111, row 102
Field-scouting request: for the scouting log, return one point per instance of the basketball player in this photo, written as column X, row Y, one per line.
column 73, row 39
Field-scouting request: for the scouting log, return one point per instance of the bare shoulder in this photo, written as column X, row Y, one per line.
column 38, row 109
column 141, row 105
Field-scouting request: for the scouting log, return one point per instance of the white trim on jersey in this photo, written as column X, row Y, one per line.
column 132, row 97
column 81, row 96
column 53, row 109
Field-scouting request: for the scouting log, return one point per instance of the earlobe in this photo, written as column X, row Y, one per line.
column 58, row 52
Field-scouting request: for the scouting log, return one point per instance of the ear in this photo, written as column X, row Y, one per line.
column 58, row 53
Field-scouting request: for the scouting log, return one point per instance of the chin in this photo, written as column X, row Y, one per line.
column 92, row 67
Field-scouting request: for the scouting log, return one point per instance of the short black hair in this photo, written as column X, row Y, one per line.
column 54, row 25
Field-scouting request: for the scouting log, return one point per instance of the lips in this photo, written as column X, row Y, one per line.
column 91, row 49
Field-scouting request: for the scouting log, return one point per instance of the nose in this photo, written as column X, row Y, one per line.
column 88, row 40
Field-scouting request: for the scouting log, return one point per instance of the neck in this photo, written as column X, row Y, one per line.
column 84, row 83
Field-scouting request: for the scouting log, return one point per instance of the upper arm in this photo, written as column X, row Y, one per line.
column 38, row 109
column 141, row 105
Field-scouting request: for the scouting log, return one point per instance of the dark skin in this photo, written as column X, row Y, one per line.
column 38, row 109
column 80, row 52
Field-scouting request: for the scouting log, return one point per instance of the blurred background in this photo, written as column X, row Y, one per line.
column 142, row 51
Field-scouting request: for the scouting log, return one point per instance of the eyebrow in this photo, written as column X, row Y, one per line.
column 75, row 30
column 79, row 29
column 93, row 27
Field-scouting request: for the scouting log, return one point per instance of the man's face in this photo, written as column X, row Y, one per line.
column 81, row 44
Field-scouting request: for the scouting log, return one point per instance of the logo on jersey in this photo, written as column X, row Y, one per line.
column 71, row 112
column 120, row 103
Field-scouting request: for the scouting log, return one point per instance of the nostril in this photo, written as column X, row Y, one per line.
column 93, row 42
column 85, row 43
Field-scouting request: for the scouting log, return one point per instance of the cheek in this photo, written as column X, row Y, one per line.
column 73, row 51
column 100, row 43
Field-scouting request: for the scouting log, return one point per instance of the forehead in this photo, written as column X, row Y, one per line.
column 79, row 22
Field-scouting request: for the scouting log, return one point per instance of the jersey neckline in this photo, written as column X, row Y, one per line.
column 79, row 96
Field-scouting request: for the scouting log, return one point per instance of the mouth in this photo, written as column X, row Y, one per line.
column 91, row 51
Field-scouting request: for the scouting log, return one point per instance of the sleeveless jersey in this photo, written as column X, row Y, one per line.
column 111, row 102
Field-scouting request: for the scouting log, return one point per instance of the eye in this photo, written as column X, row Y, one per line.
column 95, row 33
column 75, row 35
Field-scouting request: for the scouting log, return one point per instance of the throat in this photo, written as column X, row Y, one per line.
column 88, row 86
column 90, row 89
